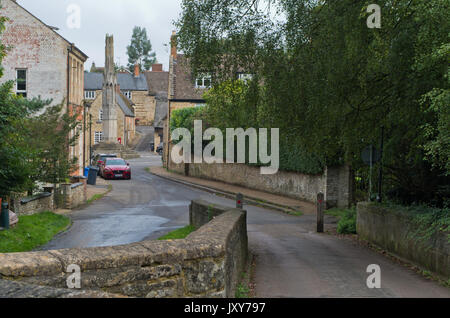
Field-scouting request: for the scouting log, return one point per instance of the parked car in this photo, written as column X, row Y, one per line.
column 115, row 168
column 100, row 159
column 160, row 149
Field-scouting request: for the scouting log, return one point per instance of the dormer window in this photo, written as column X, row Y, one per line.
column 127, row 94
column 203, row 81
column 89, row 94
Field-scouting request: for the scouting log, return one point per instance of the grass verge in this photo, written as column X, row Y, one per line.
column 178, row 234
column 245, row 287
column 99, row 196
column 346, row 220
column 32, row 231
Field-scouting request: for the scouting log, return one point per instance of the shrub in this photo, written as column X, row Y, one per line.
column 347, row 223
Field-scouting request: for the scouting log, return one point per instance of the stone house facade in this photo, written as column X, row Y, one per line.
column 158, row 83
column 133, row 86
column 43, row 64
column 126, row 128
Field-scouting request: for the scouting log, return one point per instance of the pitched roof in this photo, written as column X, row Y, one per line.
column 127, row 81
column 125, row 104
column 161, row 113
column 158, row 83
column 184, row 83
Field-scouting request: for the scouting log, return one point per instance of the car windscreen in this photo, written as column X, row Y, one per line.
column 116, row 162
column 103, row 158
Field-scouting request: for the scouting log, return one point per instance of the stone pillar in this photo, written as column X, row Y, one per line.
column 338, row 186
column 66, row 191
column 109, row 94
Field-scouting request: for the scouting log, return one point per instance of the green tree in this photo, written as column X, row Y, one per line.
column 139, row 51
column 49, row 137
column 330, row 83
column 32, row 148
column 14, row 168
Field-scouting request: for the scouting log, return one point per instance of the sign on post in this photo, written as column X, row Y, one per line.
column 320, row 211
column 239, row 201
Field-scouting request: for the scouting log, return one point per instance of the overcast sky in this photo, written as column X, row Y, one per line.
column 117, row 17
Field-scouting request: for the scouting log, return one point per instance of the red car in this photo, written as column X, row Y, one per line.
column 115, row 168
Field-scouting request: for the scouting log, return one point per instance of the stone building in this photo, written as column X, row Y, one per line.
column 183, row 90
column 133, row 86
column 43, row 64
column 111, row 112
column 158, row 82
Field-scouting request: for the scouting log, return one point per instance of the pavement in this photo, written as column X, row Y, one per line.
column 292, row 260
column 255, row 197
column 147, row 133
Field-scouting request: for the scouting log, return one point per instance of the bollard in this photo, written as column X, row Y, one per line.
column 239, row 201
column 320, row 211
column 4, row 216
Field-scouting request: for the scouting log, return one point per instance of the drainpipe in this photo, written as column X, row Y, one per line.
column 69, row 50
column 90, row 137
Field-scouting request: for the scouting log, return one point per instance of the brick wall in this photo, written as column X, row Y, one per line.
column 44, row 55
column 37, row 49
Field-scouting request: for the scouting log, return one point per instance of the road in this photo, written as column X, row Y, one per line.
column 291, row 259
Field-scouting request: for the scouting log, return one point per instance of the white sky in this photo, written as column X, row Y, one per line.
column 117, row 17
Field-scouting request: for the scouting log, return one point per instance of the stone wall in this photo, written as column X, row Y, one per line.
column 335, row 182
column 393, row 230
column 205, row 264
column 144, row 107
column 202, row 212
column 31, row 205
column 74, row 195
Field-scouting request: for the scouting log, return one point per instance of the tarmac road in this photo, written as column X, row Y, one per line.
column 291, row 259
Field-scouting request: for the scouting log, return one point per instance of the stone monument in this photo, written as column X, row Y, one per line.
column 109, row 94
column 110, row 143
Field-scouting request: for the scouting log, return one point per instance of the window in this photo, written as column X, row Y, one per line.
column 245, row 77
column 127, row 94
column 21, row 82
column 89, row 94
column 203, row 81
column 100, row 115
column 200, row 105
column 98, row 137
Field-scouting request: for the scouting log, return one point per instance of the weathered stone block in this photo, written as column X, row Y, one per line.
column 204, row 275
column 29, row 264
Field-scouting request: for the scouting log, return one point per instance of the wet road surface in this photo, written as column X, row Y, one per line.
column 291, row 259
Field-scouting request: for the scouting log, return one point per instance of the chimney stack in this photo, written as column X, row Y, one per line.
column 173, row 44
column 157, row 68
column 136, row 70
